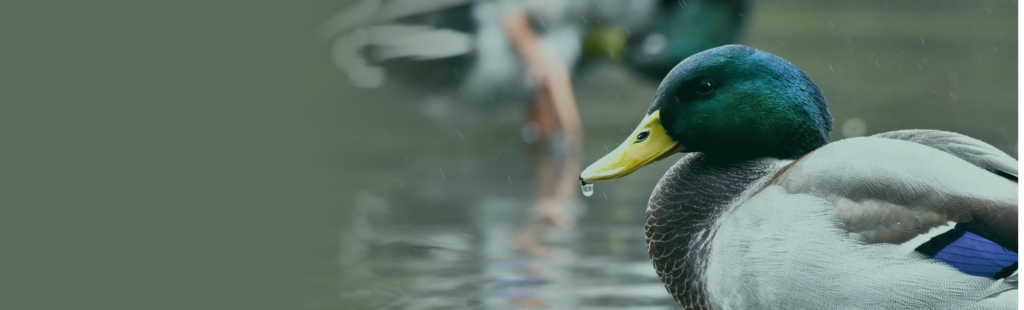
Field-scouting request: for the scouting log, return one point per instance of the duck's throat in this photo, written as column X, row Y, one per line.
column 681, row 217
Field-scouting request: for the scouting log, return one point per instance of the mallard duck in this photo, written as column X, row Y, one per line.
column 764, row 212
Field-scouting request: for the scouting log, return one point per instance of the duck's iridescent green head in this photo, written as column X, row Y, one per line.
column 730, row 103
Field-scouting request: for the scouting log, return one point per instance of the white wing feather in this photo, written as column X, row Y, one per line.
column 417, row 42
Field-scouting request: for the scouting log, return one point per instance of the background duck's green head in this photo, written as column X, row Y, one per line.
column 732, row 102
column 681, row 29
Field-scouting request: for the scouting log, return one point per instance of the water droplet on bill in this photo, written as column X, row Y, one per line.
column 587, row 187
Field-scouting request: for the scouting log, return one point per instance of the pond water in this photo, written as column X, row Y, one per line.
column 407, row 211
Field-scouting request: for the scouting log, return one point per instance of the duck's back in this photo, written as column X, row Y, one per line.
column 826, row 230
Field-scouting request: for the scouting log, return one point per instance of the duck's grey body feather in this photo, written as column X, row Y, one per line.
column 972, row 150
column 824, row 231
column 899, row 187
column 789, row 251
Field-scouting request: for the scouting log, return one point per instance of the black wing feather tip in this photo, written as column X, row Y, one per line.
column 1004, row 174
column 936, row 244
column 1006, row 272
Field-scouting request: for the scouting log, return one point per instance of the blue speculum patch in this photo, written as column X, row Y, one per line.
column 977, row 256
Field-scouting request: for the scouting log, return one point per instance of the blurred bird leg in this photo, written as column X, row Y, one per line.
column 554, row 110
column 555, row 82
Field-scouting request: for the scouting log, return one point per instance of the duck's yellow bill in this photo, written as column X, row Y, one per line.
column 648, row 143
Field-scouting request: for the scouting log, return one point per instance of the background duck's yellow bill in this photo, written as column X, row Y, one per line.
column 648, row 143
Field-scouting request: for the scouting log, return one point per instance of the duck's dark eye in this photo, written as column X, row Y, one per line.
column 642, row 136
column 705, row 87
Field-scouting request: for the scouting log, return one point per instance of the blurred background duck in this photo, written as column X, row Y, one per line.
column 460, row 56
column 669, row 33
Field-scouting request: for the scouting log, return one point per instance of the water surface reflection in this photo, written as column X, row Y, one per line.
column 494, row 262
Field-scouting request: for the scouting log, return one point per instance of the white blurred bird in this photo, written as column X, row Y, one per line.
column 457, row 51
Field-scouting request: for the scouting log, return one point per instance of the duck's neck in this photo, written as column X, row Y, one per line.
column 800, row 142
column 791, row 143
column 681, row 218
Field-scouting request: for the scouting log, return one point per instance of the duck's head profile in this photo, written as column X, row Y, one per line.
column 731, row 103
